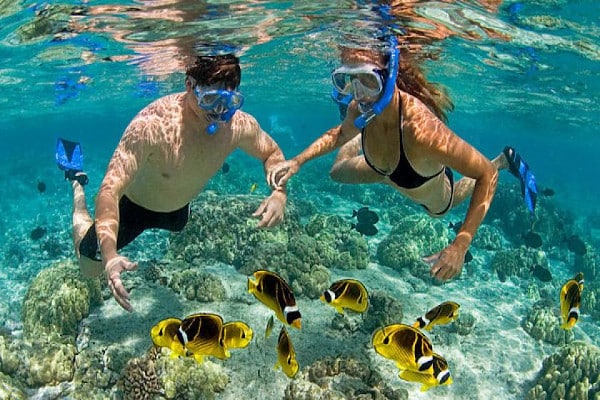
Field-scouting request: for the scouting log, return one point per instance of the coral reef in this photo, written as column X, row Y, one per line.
column 220, row 229
column 572, row 373
column 590, row 299
column 57, row 300
column 517, row 262
column 184, row 378
column 412, row 238
column 488, row 237
column 541, row 323
column 589, row 264
column 341, row 378
column 198, row 285
column 383, row 310
column 139, row 379
column 463, row 325
column 11, row 389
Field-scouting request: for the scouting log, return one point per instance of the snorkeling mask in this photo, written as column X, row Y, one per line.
column 220, row 105
column 364, row 83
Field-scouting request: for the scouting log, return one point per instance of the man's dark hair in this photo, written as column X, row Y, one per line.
column 210, row 70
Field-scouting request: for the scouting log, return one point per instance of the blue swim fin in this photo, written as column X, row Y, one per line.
column 69, row 158
column 519, row 168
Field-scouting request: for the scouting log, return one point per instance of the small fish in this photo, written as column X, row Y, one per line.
column 346, row 293
column 37, row 233
column 576, row 245
column 274, row 292
column 253, row 187
column 407, row 346
column 236, row 335
column 468, row 257
column 269, row 327
column 365, row 216
column 286, row 355
column 439, row 315
column 570, row 297
column 532, row 240
column 455, row 226
column 364, row 229
column 225, row 168
column 548, row 192
column 440, row 374
column 202, row 335
column 165, row 334
column 41, row 187
column 540, row 272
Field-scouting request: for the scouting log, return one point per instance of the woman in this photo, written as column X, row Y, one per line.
column 397, row 138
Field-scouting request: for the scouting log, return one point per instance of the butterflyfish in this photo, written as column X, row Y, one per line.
column 236, row 335
column 269, row 327
column 347, row 293
column 274, row 292
column 286, row 355
column 439, row 375
column 439, row 315
column 165, row 334
column 202, row 335
column 570, row 297
column 407, row 346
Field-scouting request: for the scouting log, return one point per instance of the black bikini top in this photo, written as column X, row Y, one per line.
column 404, row 175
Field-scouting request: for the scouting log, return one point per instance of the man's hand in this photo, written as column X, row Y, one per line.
column 271, row 210
column 114, row 267
column 447, row 263
column 280, row 173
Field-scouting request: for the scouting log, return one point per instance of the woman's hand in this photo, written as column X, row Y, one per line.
column 279, row 174
column 447, row 263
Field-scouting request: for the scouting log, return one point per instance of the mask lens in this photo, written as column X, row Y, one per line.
column 362, row 82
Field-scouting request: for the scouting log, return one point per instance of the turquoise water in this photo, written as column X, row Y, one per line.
column 522, row 73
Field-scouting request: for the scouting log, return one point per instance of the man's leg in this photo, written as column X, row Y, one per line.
column 82, row 222
column 350, row 166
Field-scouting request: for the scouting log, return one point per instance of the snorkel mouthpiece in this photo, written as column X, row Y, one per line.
column 362, row 120
column 212, row 128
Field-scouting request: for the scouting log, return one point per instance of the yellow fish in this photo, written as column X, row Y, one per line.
column 407, row 346
column 253, row 187
column 269, row 327
column 271, row 290
column 439, row 315
column 165, row 334
column 202, row 335
column 286, row 356
column 440, row 375
column 570, row 297
column 346, row 293
column 236, row 335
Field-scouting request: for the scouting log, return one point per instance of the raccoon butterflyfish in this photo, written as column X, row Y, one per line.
column 271, row 290
column 439, row 375
column 346, row 293
column 439, row 315
column 165, row 334
column 269, row 327
column 286, row 356
column 236, row 335
column 202, row 335
column 570, row 297
column 407, row 346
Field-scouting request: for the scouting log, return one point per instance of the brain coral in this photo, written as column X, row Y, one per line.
column 56, row 301
column 572, row 373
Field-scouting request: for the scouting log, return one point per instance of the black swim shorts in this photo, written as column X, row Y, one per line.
column 134, row 220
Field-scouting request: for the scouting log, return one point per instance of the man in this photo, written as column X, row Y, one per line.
column 166, row 155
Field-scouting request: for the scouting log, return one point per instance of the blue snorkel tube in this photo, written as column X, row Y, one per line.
column 388, row 90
